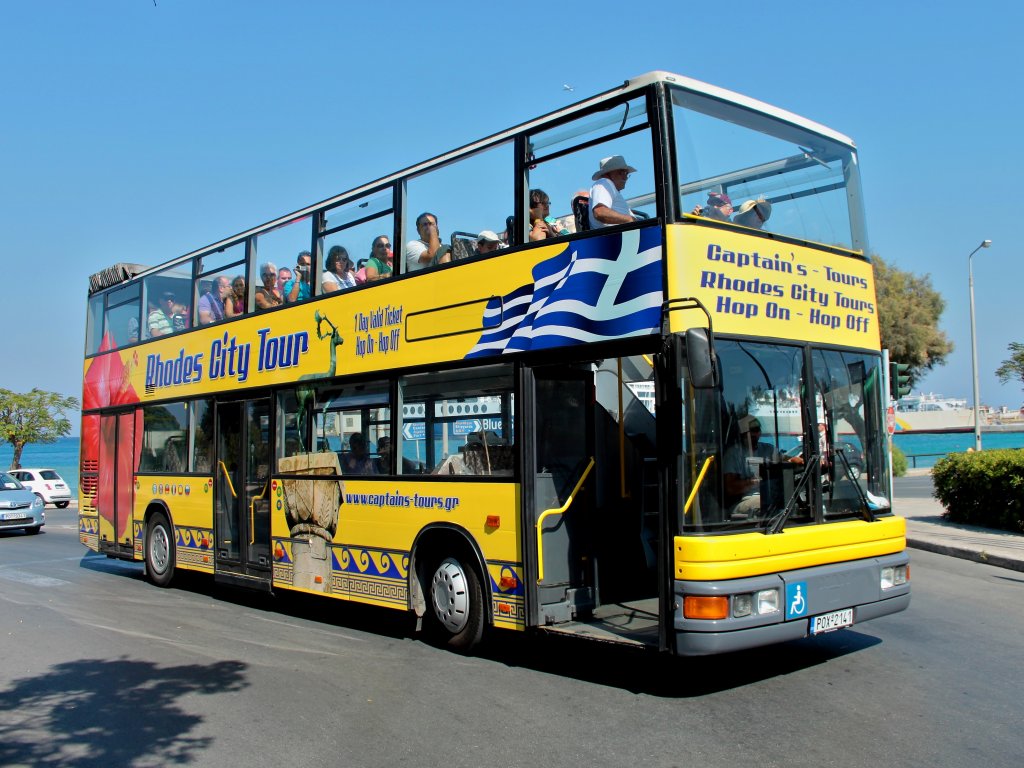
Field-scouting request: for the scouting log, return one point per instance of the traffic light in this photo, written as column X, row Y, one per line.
column 899, row 380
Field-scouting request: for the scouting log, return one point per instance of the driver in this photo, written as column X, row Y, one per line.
column 741, row 468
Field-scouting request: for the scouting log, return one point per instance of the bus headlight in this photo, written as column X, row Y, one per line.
column 757, row 603
column 894, row 576
column 767, row 601
column 742, row 605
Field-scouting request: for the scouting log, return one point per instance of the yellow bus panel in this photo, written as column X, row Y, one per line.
column 712, row 558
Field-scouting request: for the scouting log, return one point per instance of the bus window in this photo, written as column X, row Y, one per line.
column 168, row 300
column 94, row 325
column 473, row 194
column 276, row 255
column 348, row 421
column 221, row 286
column 562, row 175
column 460, row 422
column 164, row 438
column 202, row 437
column 121, row 319
column 792, row 181
column 363, row 228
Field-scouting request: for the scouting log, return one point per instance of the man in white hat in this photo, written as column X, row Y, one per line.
column 607, row 205
column 487, row 242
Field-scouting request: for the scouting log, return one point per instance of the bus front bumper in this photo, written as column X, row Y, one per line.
column 811, row 592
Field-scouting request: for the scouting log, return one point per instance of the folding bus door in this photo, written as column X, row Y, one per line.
column 242, row 489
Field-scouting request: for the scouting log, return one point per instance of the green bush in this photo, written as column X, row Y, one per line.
column 899, row 462
column 984, row 488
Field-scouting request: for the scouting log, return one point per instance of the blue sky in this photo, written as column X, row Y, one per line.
column 138, row 132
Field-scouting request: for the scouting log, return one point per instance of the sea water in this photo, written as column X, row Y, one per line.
column 924, row 449
column 61, row 455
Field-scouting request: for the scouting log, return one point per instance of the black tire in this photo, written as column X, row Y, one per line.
column 456, row 605
column 159, row 550
column 41, row 498
column 61, row 504
column 33, row 531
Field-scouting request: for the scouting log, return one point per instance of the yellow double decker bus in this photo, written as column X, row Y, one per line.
column 614, row 372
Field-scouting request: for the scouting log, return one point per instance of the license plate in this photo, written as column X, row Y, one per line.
column 12, row 515
column 828, row 622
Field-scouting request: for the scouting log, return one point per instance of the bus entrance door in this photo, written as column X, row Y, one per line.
column 242, row 491
column 562, row 502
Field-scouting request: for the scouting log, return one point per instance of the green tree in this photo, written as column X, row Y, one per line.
column 908, row 319
column 1014, row 367
column 33, row 417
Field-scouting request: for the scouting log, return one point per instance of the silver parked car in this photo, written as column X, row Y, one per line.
column 19, row 507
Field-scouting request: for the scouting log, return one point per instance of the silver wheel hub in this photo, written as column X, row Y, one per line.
column 159, row 549
column 450, row 596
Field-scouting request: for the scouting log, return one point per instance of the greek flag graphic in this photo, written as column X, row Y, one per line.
column 597, row 289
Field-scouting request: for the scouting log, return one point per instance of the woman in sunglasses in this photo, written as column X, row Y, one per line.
column 267, row 295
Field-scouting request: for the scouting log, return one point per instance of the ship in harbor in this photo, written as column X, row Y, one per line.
column 936, row 413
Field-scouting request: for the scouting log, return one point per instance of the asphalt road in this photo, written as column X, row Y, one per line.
column 100, row 668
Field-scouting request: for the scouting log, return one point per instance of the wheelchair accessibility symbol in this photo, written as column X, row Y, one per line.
column 796, row 600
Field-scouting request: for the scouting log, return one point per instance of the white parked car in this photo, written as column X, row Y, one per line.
column 44, row 483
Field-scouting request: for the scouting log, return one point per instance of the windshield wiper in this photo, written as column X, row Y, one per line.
column 776, row 522
column 868, row 513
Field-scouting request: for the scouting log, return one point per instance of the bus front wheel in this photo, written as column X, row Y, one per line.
column 159, row 550
column 456, row 605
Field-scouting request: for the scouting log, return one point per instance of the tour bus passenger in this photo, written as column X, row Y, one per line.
column 428, row 249
column 379, row 266
column 338, row 270
column 607, row 205
column 284, row 275
column 297, row 289
column 753, row 214
column 268, row 295
column 487, row 242
column 161, row 319
column 540, row 213
column 358, row 461
column 718, row 207
column 238, row 294
column 216, row 303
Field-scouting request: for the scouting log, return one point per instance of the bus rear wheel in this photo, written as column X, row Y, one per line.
column 456, row 605
column 159, row 550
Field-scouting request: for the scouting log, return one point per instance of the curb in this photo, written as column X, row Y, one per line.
column 964, row 553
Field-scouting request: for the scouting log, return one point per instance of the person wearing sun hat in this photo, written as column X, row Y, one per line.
column 607, row 205
column 718, row 207
column 487, row 241
column 753, row 213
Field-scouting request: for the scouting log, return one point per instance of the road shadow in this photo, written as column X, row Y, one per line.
column 637, row 670
column 102, row 712
column 646, row 671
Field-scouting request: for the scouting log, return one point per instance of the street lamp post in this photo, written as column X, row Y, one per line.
column 974, row 345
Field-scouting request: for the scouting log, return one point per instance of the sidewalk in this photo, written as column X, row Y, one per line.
column 928, row 530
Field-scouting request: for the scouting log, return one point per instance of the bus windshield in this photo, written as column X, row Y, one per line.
column 772, row 443
column 774, row 175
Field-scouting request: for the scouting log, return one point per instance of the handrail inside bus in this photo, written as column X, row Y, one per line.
column 745, row 175
column 227, row 477
column 252, row 513
column 560, row 510
column 697, row 485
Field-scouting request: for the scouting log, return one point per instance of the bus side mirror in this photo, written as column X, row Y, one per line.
column 700, row 359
